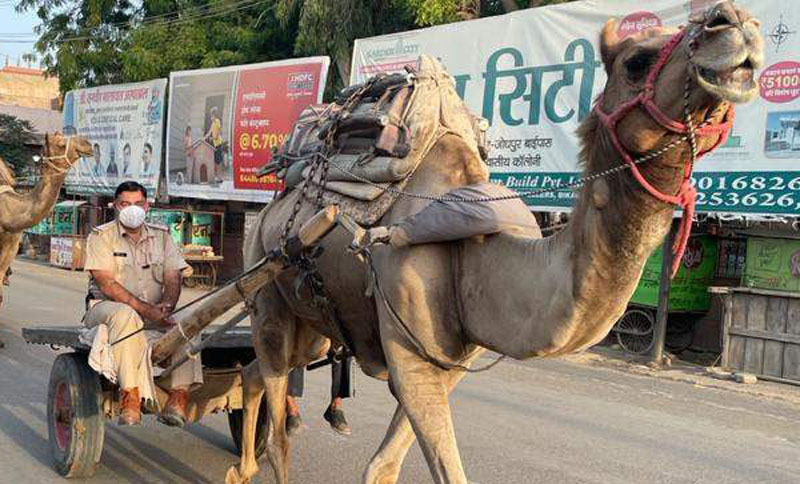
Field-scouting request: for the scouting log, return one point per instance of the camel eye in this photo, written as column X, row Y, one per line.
column 639, row 64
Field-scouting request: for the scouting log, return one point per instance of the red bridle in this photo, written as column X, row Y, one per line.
column 687, row 194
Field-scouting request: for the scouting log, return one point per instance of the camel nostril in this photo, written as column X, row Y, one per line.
column 721, row 17
column 719, row 21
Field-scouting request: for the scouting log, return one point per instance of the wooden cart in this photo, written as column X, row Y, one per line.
column 79, row 400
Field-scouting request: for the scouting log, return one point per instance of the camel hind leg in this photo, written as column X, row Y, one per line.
column 252, row 391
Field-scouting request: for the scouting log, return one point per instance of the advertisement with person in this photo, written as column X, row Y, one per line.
column 124, row 123
column 534, row 75
column 224, row 122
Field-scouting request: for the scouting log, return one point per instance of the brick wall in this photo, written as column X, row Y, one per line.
column 21, row 86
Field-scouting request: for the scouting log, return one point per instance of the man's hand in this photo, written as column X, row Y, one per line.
column 156, row 313
column 167, row 309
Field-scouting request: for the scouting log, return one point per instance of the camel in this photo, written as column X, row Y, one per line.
column 514, row 293
column 21, row 211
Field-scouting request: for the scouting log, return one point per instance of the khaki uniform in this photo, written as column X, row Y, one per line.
column 139, row 267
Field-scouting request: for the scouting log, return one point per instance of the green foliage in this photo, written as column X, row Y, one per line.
column 94, row 42
column 15, row 134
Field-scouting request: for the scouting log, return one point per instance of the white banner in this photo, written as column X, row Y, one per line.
column 535, row 73
column 125, row 123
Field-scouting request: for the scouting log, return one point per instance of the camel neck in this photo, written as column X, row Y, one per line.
column 559, row 294
column 20, row 211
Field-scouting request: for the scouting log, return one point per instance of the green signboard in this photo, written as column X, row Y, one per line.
column 64, row 219
column 201, row 228
column 169, row 218
column 689, row 288
column 773, row 264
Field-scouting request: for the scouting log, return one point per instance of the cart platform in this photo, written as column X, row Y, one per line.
column 68, row 337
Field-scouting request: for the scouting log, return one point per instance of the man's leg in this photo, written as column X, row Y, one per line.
column 341, row 387
column 128, row 346
column 179, row 382
column 296, row 384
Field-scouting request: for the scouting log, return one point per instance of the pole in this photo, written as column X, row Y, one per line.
column 660, row 329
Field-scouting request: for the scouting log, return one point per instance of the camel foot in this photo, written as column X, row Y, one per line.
column 381, row 474
column 2, row 345
column 234, row 477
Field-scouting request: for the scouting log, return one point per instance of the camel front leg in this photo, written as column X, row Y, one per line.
column 384, row 467
column 252, row 392
column 421, row 390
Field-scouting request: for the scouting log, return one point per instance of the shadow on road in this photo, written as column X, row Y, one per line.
column 25, row 436
column 160, row 465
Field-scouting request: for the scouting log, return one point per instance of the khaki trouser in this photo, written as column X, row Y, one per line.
column 129, row 354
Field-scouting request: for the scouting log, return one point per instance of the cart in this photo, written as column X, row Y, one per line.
column 688, row 299
column 79, row 400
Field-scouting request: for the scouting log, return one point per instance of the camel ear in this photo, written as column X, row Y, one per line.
column 611, row 45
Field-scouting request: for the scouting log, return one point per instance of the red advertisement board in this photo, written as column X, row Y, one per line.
column 268, row 101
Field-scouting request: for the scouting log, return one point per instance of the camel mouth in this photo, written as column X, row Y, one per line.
column 735, row 84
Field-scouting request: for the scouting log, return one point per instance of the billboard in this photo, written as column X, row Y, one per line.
column 124, row 123
column 533, row 74
column 224, row 122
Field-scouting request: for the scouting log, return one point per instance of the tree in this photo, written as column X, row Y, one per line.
column 94, row 42
column 16, row 136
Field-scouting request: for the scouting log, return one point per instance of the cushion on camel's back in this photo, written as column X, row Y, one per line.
column 375, row 135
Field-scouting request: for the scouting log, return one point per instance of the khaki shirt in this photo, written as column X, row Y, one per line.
column 138, row 266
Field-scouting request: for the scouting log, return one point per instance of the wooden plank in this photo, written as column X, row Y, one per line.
column 727, row 316
column 777, row 308
column 736, row 353
column 754, row 321
column 754, row 355
column 791, row 352
column 756, row 312
column 67, row 337
column 766, row 335
column 739, row 316
column 793, row 317
column 761, row 292
column 791, row 362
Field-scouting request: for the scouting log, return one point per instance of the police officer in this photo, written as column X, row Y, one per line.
column 135, row 284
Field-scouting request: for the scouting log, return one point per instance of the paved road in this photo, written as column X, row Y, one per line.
column 548, row 421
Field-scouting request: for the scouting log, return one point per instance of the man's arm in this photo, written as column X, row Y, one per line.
column 172, row 290
column 116, row 292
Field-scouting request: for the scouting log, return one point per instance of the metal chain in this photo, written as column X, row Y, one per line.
column 444, row 198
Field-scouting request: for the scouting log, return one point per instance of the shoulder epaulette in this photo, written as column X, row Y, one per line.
column 157, row 226
column 104, row 227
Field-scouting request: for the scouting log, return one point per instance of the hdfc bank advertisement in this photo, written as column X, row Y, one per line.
column 535, row 73
column 223, row 124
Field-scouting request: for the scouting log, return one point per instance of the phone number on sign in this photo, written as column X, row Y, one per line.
column 748, row 191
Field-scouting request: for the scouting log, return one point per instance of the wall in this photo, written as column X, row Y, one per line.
column 21, row 86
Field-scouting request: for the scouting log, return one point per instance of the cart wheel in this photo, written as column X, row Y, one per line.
column 236, row 422
column 635, row 331
column 75, row 422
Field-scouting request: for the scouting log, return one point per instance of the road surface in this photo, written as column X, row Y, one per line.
column 555, row 421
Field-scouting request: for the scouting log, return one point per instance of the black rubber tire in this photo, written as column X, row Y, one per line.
column 236, row 422
column 85, row 427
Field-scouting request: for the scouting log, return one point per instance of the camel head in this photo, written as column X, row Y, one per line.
column 713, row 60
column 63, row 151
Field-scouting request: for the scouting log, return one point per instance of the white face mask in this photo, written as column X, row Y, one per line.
column 131, row 216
